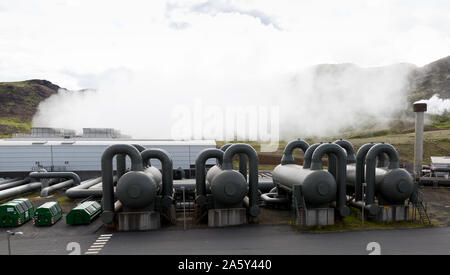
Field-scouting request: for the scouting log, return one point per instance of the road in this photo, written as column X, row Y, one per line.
column 261, row 240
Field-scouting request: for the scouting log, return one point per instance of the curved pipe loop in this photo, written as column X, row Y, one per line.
column 371, row 159
column 359, row 172
column 62, row 175
column 200, row 173
column 348, row 148
column 341, row 177
column 252, row 155
column 287, row 157
column 107, row 175
column 308, row 155
column 242, row 160
column 167, row 172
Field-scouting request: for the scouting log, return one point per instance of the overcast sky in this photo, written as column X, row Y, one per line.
column 74, row 43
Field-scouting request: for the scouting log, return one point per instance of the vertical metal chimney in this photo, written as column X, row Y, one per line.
column 419, row 109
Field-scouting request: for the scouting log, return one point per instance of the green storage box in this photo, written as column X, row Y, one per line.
column 16, row 212
column 84, row 213
column 47, row 214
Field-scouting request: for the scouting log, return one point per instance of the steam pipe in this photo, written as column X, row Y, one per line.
column 107, row 175
column 287, row 157
column 242, row 148
column 8, row 180
column 49, row 175
column 45, row 192
column 81, row 191
column 200, row 174
column 121, row 161
column 308, row 155
column 341, row 179
column 359, row 172
column 242, row 160
column 371, row 166
column 19, row 190
column 348, row 149
column 167, row 174
column 121, row 164
column 14, row 184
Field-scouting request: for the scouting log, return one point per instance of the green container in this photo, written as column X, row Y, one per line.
column 47, row 214
column 84, row 213
column 16, row 212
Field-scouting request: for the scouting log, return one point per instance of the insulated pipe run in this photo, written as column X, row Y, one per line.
column 167, row 174
column 287, row 157
column 11, row 192
column 359, row 172
column 371, row 166
column 107, row 175
column 14, row 184
column 64, row 175
column 348, row 148
column 308, row 155
column 8, row 180
column 121, row 161
column 242, row 160
column 341, row 177
column 242, row 148
column 200, row 173
column 45, row 192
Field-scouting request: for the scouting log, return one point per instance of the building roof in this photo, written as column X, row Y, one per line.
column 440, row 160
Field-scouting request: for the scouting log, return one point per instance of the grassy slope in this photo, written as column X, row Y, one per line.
column 19, row 102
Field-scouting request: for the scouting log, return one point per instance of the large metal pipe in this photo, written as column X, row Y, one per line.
column 308, row 155
column 359, row 172
column 8, row 180
column 81, row 191
column 287, row 157
column 341, row 177
column 45, row 192
column 14, row 184
column 121, row 160
column 167, row 175
column 252, row 155
column 200, row 173
column 348, row 149
column 11, row 192
column 64, row 175
column 242, row 160
column 419, row 109
column 372, row 154
column 107, row 175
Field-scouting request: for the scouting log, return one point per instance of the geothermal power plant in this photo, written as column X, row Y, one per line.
column 141, row 184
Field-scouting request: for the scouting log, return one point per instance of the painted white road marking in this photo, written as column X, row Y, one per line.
column 98, row 244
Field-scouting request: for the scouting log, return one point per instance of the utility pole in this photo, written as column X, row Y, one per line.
column 9, row 234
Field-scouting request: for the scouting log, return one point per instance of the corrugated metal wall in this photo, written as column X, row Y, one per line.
column 81, row 156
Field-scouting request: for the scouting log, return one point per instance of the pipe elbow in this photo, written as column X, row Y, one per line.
column 348, row 148
column 287, row 157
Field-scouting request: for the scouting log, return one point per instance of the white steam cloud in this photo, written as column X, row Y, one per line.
column 319, row 101
column 436, row 105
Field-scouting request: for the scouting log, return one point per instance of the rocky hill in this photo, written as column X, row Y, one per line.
column 19, row 102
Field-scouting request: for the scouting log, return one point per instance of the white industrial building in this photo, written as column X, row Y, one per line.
column 55, row 150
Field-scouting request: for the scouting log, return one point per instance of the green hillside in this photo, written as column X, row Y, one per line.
column 19, row 102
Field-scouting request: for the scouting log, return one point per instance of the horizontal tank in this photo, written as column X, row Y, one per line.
column 391, row 185
column 228, row 188
column 318, row 187
column 138, row 189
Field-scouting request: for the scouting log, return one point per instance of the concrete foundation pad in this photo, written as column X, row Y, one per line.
column 393, row 213
column 226, row 217
column 315, row 216
column 138, row 221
